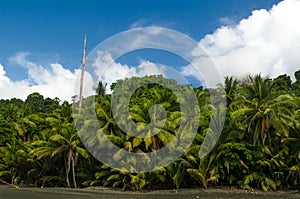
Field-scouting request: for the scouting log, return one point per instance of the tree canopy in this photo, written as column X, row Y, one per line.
column 259, row 146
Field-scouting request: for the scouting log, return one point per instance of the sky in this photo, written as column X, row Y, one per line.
column 41, row 41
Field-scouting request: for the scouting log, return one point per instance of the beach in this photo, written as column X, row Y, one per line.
column 63, row 193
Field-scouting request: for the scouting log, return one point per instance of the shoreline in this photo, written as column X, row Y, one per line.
column 183, row 191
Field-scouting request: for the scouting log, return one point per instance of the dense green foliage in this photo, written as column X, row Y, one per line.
column 259, row 146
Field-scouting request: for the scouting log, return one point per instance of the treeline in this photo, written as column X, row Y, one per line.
column 259, row 146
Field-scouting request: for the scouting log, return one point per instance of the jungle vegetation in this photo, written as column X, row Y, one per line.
column 259, row 146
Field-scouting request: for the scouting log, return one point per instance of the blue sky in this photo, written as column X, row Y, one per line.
column 53, row 30
column 49, row 32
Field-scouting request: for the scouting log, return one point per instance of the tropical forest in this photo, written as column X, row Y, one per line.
column 258, row 148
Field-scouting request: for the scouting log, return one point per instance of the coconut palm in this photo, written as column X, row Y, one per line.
column 231, row 86
column 261, row 112
column 66, row 142
column 14, row 160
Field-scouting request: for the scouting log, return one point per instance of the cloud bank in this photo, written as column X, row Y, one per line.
column 55, row 81
column 115, row 70
column 267, row 42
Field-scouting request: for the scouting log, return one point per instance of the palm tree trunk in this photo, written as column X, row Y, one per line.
column 154, row 143
column 68, row 166
column 73, row 173
column 13, row 177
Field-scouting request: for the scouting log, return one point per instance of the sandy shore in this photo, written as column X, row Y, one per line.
column 99, row 192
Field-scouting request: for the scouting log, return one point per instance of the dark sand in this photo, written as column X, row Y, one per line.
column 62, row 193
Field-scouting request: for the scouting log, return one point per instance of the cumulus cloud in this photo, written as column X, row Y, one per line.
column 57, row 81
column 54, row 81
column 9, row 88
column 108, row 70
column 267, row 42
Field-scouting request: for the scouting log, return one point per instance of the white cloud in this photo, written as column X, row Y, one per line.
column 267, row 42
column 55, row 81
column 10, row 89
column 115, row 70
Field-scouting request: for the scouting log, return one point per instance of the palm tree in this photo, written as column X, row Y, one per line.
column 262, row 112
column 65, row 141
column 150, row 108
column 24, row 127
column 9, row 161
column 231, row 86
column 14, row 159
column 101, row 89
column 10, row 112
